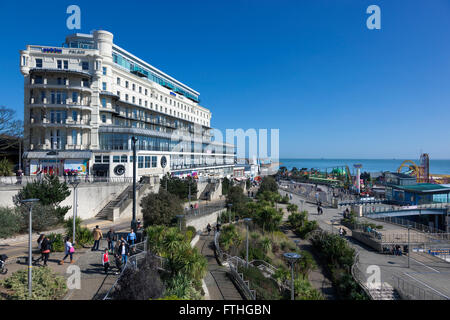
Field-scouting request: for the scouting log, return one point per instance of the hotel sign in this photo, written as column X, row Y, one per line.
column 51, row 50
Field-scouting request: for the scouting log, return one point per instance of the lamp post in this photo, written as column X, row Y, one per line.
column 74, row 183
column 229, row 212
column 292, row 258
column 31, row 202
column 409, row 249
column 247, row 222
column 180, row 217
column 133, row 221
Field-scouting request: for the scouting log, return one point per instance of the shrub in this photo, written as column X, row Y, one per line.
column 303, row 290
column 306, row 229
column 47, row 285
column 266, row 288
column 6, row 168
column 57, row 242
column 161, row 208
column 10, row 222
column 83, row 236
column 182, row 287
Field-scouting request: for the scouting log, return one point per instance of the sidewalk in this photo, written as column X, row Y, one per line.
column 220, row 286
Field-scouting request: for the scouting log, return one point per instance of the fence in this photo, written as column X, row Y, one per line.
column 204, row 209
column 234, row 263
column 406, row 223
column 409, row 291
column 139, row 253
column 23, row 180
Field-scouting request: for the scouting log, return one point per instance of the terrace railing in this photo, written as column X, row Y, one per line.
column 409, row 291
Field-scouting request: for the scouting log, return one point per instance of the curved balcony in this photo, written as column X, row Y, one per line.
column 66, row 106
column 59, row 71
column 59, row 87
column 45, row 123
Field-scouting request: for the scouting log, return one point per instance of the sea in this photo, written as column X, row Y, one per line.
column 368, row 165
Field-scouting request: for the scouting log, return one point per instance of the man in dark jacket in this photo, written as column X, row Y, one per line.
column 111, row 237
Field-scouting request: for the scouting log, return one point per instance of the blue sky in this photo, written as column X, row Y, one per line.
column 311, row 69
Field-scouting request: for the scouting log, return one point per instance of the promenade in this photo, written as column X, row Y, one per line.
column 425, row 272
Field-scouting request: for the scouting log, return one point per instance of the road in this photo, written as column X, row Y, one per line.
column 426, row 272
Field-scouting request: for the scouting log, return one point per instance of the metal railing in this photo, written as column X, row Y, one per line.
column 233, row 264
column 408, row 291
column 138, row 253
column 405, row 223
column 392, row 208
column 203, row 210
column 23, row 180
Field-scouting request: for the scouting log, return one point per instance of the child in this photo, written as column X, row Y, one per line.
column 105, row 260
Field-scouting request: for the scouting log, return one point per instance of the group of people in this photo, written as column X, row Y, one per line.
column 121, row 249
column 215, row 229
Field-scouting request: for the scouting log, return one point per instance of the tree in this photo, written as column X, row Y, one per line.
column 268, row 218
column 226, row 185
column 268, row 183
column 179, row 187
column 141, row 284
column 160, row 208
column 10, row 129
column 5, row 167
column 50, row 192
column 237, row 199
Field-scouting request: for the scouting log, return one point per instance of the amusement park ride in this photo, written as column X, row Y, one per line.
column 422, row 171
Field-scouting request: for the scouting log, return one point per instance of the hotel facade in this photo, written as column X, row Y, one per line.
column 87, row 101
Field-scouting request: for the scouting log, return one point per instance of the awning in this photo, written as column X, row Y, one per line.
column 53, row 154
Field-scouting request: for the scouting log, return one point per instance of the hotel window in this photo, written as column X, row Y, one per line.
column 126, row 97
column 154, row 161
column 98, row 159
column 118, row 81
column 133, row 87
column 160, row 97
column 126, row 84
column 59, row 64
column 103, row 118
column 85, row 65
column 147, row 162
column 106, row 159
column 118, row 93
column 146, row 103
column 140, row 162
column 42, row 96
column 104, row 102
column 123, row 158
column 134, row 99
column 165, row 99
column 116, row 158
column 145, row 91
column 85, row 82
column 140, row 89
column 66, row 64
column 74, row 116
column 74, row 137
column 38, row 63
column 104, row 86
column 140, row 101
column 104, row 71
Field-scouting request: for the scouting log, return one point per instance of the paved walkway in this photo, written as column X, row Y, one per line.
column 219, row 285
column 434, row 277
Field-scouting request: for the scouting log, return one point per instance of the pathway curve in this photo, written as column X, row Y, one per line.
column 219, row 284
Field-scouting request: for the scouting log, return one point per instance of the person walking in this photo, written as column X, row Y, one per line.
column 208, row 227
column 69, row 250
column 131, row 237
column 111, row 237
column 105, row 261
column 341, row 231
column 97, row 234
column 39, row 242
column 124, row 252
column 45, row 249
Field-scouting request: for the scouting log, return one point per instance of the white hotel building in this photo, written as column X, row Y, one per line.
column 84, row 101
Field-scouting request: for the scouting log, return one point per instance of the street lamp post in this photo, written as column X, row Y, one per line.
column 229, row 212
column 31, row 202
column 409, row 248
column 180, row 217
column 247, row 222
column 74, row 183
column 292, row 258
column 133, row 221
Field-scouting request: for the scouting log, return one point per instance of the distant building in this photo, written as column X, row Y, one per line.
column 403, row 189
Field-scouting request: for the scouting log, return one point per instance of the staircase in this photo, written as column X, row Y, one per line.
column 210, row 188
column 107, row 211
column 384, row 292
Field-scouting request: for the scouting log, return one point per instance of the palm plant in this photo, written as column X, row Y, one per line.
column 5, row 167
